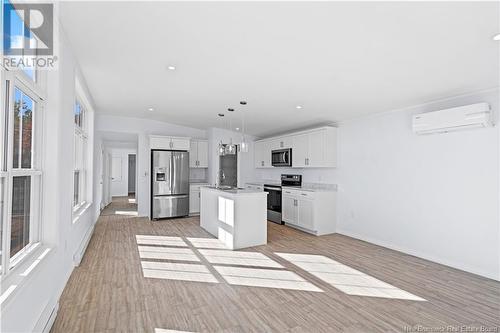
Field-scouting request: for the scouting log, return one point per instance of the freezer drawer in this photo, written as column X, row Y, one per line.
column 170, row 206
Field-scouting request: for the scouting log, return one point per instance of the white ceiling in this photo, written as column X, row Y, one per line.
column 338, row 60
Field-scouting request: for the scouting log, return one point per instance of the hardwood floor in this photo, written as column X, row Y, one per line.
column 109, row 293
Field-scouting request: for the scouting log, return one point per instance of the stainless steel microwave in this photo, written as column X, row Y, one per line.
column 281, row 157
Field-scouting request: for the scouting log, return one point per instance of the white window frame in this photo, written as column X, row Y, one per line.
column 11, row 80
column 85, row 133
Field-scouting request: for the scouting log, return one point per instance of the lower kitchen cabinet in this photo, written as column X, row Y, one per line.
column 313, row 212
column 194, row 198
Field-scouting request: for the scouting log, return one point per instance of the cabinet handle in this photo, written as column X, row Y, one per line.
column 304, row 194
column 262, row 163
column 199, row 194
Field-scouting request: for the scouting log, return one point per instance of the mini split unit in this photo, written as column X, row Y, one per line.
column 454, row 119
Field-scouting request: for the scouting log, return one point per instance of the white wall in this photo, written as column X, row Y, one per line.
column 28, row 308
column 434, row 196
column 119, row 187
column 143, row 128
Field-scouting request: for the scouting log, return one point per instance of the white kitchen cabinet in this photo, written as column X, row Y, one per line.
column 305, row 213
column 198, row 154
column 263, row 154
column 289, row 209
column 194, row 198
column 300, row 150
column 169, row 142
column 312, row 212
column 282, row 143
column 315, row 148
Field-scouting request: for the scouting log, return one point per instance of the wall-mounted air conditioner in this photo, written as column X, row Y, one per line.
column 462, row 117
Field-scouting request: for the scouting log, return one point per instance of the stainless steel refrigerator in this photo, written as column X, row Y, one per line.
column 169, row 183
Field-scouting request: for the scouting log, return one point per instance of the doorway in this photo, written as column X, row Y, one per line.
column 131, row 175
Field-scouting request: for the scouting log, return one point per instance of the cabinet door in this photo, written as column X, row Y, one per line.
column 305, row 213
column 316, row 155
column 289, row 209
column 193, row 154
column 194, row 201
column 180, row 144
column 266, row 154
column 202, row 154
column 300, row 150
column 259, row 153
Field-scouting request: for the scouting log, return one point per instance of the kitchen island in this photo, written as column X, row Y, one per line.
column 237, row 217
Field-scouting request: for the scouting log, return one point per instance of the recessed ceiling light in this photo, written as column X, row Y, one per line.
column 496, row 37
column 230, row 109
column 298, row 107
column 243, row 102
column 151, row 109
column 172, row 68
column 221, row 114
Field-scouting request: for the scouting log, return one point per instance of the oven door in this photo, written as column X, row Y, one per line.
column 281, row 158
column 273, row 203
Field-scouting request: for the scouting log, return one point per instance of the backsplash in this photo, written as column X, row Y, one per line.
column 322, row 176
column 198, row 174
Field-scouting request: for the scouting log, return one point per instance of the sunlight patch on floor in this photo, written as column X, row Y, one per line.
column 239, row 258
column 127, row 212
column 161, row 330
column 176, row 271
column 131, row 201
column 345, row 278
column 267, row 278
column 160, row 240
column 168, row 253
column 206, row 243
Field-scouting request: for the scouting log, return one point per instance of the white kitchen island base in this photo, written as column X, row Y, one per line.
column 238, row 218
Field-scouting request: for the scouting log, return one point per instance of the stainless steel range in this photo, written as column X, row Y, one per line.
column 274, row 196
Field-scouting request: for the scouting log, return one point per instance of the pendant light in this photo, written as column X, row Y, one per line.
column 244, row 143
column 221, row 149
column 230, row 148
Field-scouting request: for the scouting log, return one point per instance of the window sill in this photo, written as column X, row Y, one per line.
column 22, row 272
column 80, row 210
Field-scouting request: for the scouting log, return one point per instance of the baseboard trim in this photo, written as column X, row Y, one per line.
column 455, row 265
column 78, row 256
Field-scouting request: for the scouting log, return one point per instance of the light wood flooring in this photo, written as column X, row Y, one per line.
column 109, row 293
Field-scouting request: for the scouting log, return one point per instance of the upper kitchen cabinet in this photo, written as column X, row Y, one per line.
column 263, row 154
column 168, row 142
column 281, row 143
column 198, row 154
column 315, row 148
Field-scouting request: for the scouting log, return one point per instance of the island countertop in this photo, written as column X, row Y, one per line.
column 239, row 191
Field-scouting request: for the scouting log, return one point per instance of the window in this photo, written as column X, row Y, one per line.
column 80, row 169
column 20, row 175
column 21, row 113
